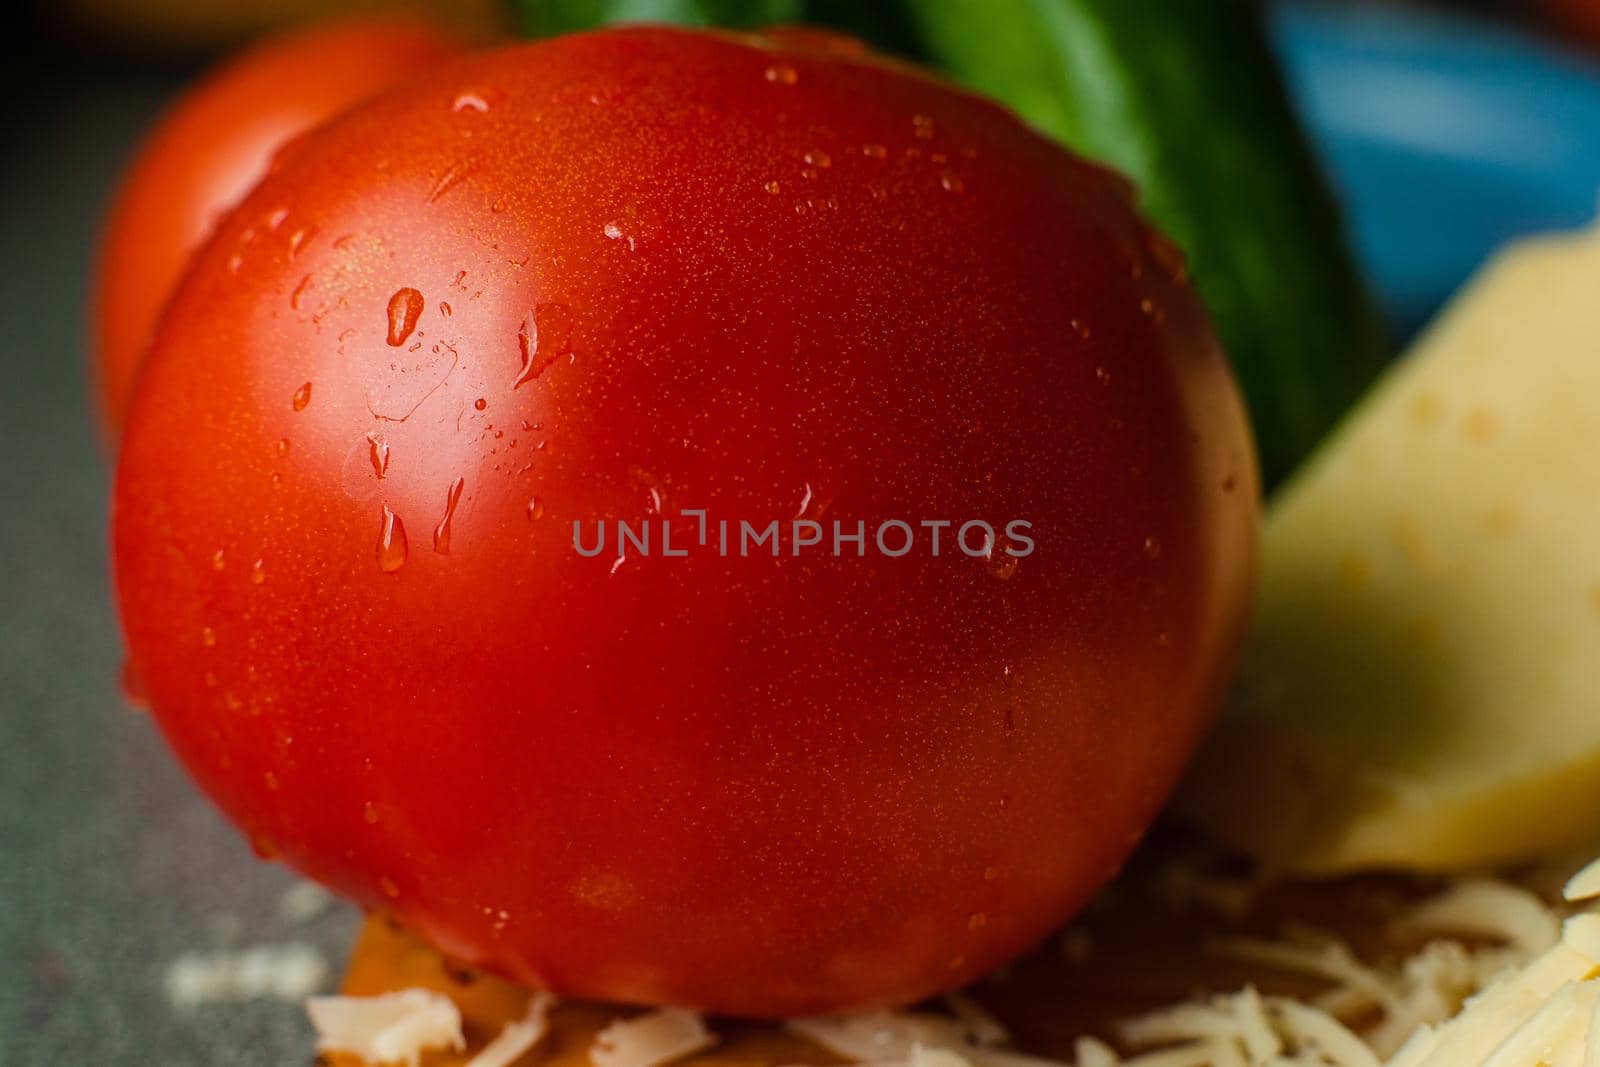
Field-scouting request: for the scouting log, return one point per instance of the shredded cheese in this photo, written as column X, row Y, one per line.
column 650, row 1040
column 391, row 1028
column 516, row 1038
column 1585, row 885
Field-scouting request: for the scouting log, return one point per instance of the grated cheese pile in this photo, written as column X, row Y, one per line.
column 1522, row 991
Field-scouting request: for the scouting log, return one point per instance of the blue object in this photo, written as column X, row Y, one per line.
column 1444, row 136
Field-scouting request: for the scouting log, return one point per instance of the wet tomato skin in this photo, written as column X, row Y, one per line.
column 210, row 148
column 623, row 274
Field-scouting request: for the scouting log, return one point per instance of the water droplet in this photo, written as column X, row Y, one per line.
column 991, row 873
column 1001, row 563
column 952, row 183
column 1103, row 375
column 218, row 561
column 453, row 176
column 805, row 502
column 299, row 292
column 389, row 889
column 231, row 701
column 782, row 74
column 283, row 446
column 302, row 397
column 441, row 532
column 771, row 187
column 818, row 158
column 922, row 126
column 1168, row 256
column 208, row 637
column 545, row 335
column 270, row 780
column 1152, row 546
column 369, row 814
column 378, row 453
column 977, row 922
column 405, row 308
column 1081, row 328
column 535, row 509
column 874, row 151
column 299, row 239
column 258, row 572
column 275, row 219
column 479, row 404
column 391, row 542
column 809, row 174
column 444, row 309
column 133, row 690
column 477, row 100
column 235, row 262
column 617, row 564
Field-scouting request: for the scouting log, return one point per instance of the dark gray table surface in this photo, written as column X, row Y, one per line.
column 111, row 865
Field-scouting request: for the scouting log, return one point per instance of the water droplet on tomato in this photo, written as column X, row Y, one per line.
column 771, row 187
column 369, row 814
column 270, row 780
column 545, row 335
column 283, row 446
column 453, row 176
column 535, row 509
column 302, row 397
column 1152, row 547
column 208, row 637
column 475, row 100
column 441, row 532
column 391, row 542
column 258, row 572
column 874, row 151
column 480, row 403
column 299, row 292
column 1102, row 375
column 405, row 308
column 218, row 561
column 922, row 126
column 991, row 873
column 378, row 453
column 133, row 690
column 952, row 183
column 388, row 887
column 819, row 159
column 1168, row 256
column 782, row 74
column 977, row 922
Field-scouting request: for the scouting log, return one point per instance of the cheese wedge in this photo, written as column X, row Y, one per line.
column 1422, row 689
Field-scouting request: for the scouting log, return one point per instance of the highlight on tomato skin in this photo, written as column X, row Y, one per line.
column 210, row 148
column 634, row 275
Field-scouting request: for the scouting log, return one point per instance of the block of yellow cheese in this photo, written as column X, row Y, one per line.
column 1422, row 688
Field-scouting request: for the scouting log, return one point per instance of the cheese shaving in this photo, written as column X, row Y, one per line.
column 1585, row 885
column 650, row 1040
column 391, row 1028
column 1482, row 907
column 518, row 1037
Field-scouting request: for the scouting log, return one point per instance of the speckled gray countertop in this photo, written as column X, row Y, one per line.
column 111, row 866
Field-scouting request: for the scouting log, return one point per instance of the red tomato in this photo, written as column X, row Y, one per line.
column 633, row 273
column 207, row 153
